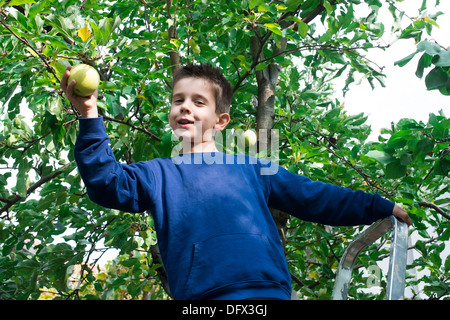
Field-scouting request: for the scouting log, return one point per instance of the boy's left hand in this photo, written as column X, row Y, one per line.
column 401, row 214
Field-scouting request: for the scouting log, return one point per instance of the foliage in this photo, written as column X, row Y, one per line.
column 48, row 225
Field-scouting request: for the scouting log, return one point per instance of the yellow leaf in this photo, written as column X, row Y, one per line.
column 195, row 47
column 429, row 20
column 241, row 58
column 85, row 33
column 101, row 276
column 32, row 52
column 20, row 2
column 281, row 7
column 322, row 292
column 175, row 42
column 274, row 27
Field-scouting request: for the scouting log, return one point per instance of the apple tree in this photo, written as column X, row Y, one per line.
column 282, row 58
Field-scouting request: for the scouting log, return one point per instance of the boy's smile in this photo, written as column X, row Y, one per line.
column 193, row 115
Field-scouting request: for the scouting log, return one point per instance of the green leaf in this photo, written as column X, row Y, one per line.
column 399, row 139
column 118, row 229
column 406, row 159
column 431, row 48
column 53, row 41
column 380, row 156
column 333, row 114
column 441, row 128
column 436, row 78
column 22, row 176
column 20, row 2
column 262, row 66
column 255, row 3
column 293, row 4
column 27, row 267
column 447, row 264
column 424, row 62
column 395, row 170
column 303, row 29
column 108, row 85
column 130, row 262
column 442, row 166
column 54, row 106
column 62, row 24
column 405, row 60
column 104, row 30
column 444, row 59
column 263, row 8
column 274, row 27
column 410, row 32
column 134, row 51
column 422, row 148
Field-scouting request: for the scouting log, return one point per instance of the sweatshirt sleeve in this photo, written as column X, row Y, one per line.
column 108, row 182
column 325, row 203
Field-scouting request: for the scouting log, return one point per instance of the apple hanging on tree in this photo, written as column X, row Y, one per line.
column 250, row 138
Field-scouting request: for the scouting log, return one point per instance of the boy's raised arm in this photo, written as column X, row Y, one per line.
column 108, row 182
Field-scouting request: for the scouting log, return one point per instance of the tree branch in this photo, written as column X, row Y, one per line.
column 435, row 208
column 256, row 51
column 25, row 41
column 366, row 177
column 257, row 59
column 32, row 188
column 153, row 136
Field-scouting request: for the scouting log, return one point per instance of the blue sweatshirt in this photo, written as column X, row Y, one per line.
column 216, row 234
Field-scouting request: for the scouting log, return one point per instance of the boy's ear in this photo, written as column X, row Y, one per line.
column 222, row 121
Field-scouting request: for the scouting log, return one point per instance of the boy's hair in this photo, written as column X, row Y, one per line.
column 222, row 88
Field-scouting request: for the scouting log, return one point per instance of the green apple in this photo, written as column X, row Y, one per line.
column 87, row 79
column 250, row 138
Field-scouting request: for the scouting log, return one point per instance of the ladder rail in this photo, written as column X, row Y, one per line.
column 397, row 261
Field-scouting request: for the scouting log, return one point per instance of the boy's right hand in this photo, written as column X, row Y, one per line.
column 87, row 106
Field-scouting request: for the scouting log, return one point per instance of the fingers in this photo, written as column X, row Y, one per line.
column 64, row 79
column 407, row 219
column 68, row 87
column 401, row 214
column 69, row 90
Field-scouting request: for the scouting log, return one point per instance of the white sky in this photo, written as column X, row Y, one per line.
column 405, row 95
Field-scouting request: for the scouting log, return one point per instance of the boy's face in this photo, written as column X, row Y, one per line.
column 192, row 115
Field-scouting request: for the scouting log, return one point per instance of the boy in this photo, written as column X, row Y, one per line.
column 215, row 232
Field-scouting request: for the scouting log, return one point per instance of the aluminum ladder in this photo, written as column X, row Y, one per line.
column 397, row 262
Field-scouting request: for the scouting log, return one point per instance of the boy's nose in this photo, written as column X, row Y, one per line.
column 185, row 108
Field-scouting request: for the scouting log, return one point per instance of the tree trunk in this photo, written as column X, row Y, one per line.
column 174, row 63
column 172, row 33
column 156, row 255
column 267, row 82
